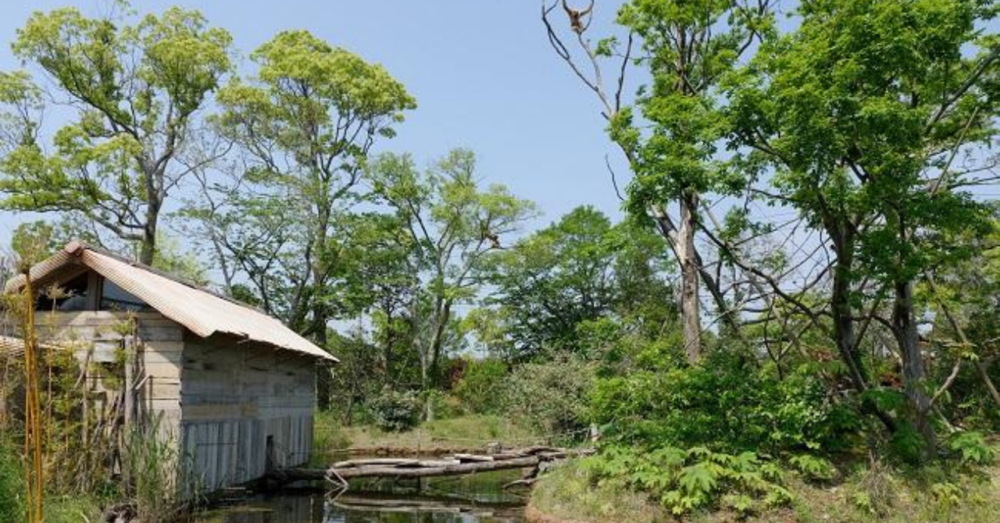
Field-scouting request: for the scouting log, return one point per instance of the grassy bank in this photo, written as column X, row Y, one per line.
column 865, row 493
column 463, row 432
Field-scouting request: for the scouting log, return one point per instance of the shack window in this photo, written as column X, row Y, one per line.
column 67, row 296
column 115, row 298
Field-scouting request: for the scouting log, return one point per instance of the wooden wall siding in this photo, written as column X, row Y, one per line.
column 161, row 350
column 235, row 396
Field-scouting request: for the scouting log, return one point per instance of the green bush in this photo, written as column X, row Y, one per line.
column 686, row 480
column 726, row 405
column 550, row 397
column 394, row 411
column 972, row 448
column 11, row 485
column 480, row 385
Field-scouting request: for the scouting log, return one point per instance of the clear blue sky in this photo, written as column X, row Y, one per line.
column 482, row 71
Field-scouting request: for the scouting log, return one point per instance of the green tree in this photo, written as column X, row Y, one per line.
column 453, row 224
column 579, row 269
column 134, row 91
column 671, row 134
column 303, row 126
column 861, row 112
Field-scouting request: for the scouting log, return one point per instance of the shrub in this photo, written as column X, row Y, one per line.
column 443, row 405
column 11, row 485
column 686, row 480
column 394, row 411
column 550, row 397
column 725, row 405
column 971, row 448
column 480, row 384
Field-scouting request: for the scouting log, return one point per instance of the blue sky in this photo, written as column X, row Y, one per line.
column 482, row 71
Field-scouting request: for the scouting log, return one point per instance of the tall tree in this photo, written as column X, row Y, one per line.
column 453, row 223
column 303, row 125
column 671, row 134
column 862, row 111
column 579, row 269
column 134, row 91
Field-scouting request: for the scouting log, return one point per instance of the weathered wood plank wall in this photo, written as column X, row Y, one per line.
column 223, row 401
column 236, row 398
column 97, row 336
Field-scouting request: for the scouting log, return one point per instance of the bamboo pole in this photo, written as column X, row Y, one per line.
column 33, row 421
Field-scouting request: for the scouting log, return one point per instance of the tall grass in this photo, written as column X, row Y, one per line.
column 156, row 479
column 12, row 493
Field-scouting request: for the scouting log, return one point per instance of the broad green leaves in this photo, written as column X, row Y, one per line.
column 133, row 89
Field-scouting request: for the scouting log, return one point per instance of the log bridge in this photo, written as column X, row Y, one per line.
column 340, row 473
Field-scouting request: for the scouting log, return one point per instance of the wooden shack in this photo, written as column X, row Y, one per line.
column 233, row 387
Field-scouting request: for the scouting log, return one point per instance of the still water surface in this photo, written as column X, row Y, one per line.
column 475, row 499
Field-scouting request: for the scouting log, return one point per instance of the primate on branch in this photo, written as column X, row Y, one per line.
column 576, row 17
column 492, row 238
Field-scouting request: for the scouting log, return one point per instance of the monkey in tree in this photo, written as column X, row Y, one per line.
column 576, row 21
column 492, row 238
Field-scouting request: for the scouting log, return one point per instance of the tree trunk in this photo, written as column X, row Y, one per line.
column 686, row 254
column 843, row 311
column 322, row 387
column 147, row 251
column 905, row 329
column 320, row 313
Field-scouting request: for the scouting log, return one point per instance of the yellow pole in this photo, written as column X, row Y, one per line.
column 32, row 433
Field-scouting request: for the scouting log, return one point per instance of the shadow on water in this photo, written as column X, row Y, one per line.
column 471, row 499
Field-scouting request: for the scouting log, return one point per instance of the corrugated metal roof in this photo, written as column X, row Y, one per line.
column 201, row 311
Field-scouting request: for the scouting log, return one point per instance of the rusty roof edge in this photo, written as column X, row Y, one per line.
column 191, row 323
column 77, row 250
column 78, row 247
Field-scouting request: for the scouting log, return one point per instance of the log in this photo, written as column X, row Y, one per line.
column 473, row 457
column 423, row 504
column 526, row 482
column 374, row 461
column 457, row 469
column 387, row 471
column 457, row 465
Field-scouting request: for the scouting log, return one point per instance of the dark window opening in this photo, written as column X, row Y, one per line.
column 68, row 296
column 115, row 298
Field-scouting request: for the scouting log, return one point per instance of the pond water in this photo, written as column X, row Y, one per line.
column 472, row 499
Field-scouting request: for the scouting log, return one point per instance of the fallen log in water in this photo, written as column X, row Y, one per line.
column 456, row 465
column 427, row 504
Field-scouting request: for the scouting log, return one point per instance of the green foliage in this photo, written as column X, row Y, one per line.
column 972, row 448
column 454, row 222
column 155, row 472
column 480, row 387
column 687, row 480
column 686, row 48
column 135, row 87
column 34, row 241
column 394, row 411
column 171, row 258
column 358, row 377
column 12, row 486
column 577, row 270
column 906, row 444
column 281, row 218
column 550, row 397
column 853, row 120
column 726, row 405
column 813, row 467
column 874, row 493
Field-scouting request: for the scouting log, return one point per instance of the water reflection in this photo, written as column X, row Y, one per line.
column 476, row 499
